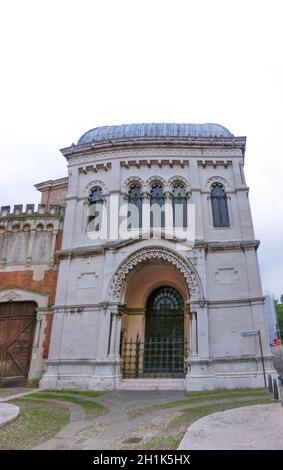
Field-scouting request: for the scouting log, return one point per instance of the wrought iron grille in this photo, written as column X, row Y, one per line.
column 156, row 357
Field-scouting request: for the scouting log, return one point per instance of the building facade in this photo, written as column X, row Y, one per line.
column 158, row 276
column 29, row 239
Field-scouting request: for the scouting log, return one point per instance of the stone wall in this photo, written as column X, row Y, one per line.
column 29, row 239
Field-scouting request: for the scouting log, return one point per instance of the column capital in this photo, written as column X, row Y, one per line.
column 116, row 313
column 146, row 195
column 194, row 305
column 168, row 195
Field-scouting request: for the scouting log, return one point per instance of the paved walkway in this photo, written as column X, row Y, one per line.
column 8, row 413
column 133, row 415
column 126, row 408
column 257, row 427
column 12, row 393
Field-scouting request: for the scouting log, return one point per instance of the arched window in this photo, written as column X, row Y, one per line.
column 165, row 299
column 95, row 203
column 135, row 207
column 179, row 201
column 219, row 206
column 157, row 206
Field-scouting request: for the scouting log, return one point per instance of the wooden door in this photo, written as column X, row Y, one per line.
column 17, row 324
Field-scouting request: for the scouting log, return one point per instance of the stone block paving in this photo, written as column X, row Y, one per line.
column 257, row 427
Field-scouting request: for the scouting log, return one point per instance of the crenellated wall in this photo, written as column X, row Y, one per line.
column 29, row 238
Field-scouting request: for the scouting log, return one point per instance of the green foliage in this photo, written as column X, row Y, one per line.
column 82, row 393
column 279, row 312
column 37, row 422
column 91, row 408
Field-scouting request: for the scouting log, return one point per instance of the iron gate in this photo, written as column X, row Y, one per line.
column 155, row 357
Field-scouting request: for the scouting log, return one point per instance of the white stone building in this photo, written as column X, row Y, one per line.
column 150, row 311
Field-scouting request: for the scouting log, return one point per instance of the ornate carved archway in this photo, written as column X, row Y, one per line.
column 155, row 253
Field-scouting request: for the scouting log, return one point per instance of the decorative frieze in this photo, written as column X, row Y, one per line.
column 214, row 163
column 156, row 162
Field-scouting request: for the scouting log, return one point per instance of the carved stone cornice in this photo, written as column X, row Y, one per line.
column 237, row 143
column 118, row 244
column 230, row 245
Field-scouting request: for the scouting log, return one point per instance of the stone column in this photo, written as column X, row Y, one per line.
column 113, row 334
column 37, row 361
column 198, row 372
column 70, row 222
column 6, row 243
column 118, row 335
column 193, row 335
column 146, row 215
column 168, row 215
column 202, row 331
column 30, row 247
column 52, row 249
column 104, row 332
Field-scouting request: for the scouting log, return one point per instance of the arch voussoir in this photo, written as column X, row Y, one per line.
column 166, row 255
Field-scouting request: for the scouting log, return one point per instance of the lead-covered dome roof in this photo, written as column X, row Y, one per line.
column 125, row 131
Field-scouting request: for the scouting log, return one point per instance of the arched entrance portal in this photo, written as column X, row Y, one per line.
column 164, row 332
column 155, row 322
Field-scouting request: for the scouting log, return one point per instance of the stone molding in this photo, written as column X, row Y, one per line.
column 233, row 144
column 178, row 179
column 22, row 295
column 94, row 183
column 216, row 179
column 116, row 245
column 157, row 254
column 155, row 179
column 235, row 302
column 146, row 185
column 130, row 181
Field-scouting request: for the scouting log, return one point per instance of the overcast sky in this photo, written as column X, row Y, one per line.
column 68, row 66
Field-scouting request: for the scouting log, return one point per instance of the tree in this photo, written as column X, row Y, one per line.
column 279, row 313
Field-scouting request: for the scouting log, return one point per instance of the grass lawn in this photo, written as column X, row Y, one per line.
column 92, row 409
column 196, row 397
column 38, row 422
column 199, row 397
column 83, row 393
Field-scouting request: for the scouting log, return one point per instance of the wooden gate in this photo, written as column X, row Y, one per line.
column 17, row 324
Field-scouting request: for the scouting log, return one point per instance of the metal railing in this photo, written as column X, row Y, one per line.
column 155, row 357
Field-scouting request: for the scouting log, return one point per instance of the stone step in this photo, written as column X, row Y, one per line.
column 152, row 384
